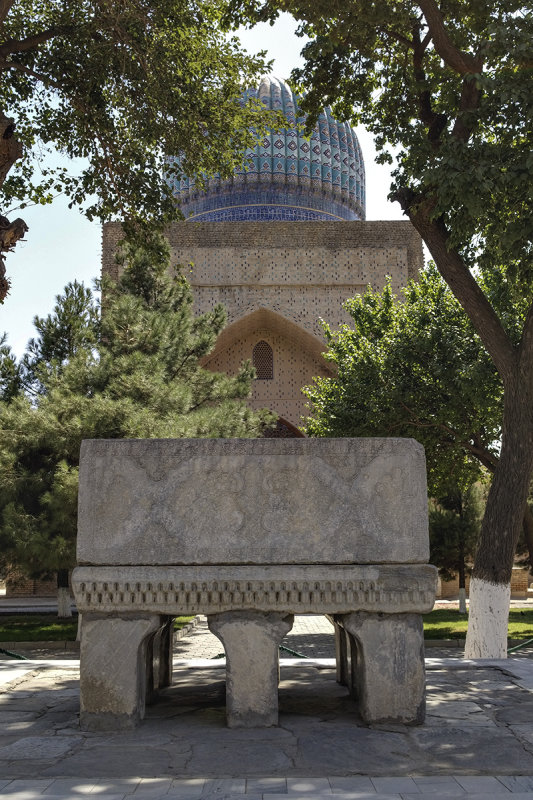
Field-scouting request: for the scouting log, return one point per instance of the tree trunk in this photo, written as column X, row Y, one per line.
column 10, row 232
column 527, row 527
column 462, row 575
column 490, row 587
column 64, row 608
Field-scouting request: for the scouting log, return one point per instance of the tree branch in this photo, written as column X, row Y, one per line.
column 460, row 280
column 470, row 97
column 27, row 71
column 5, row 7
column 475, row 447
column 525, row 348
column 10, row 147
column 463, row 63
column 20, row 45
column 484, row 456
column 434, row 122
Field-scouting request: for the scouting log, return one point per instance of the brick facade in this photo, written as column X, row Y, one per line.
column 519, row 585
column 276, row 281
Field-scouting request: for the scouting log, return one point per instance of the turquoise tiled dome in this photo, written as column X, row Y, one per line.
column 287, row 176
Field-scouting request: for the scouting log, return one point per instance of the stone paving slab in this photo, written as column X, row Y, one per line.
column 267, row 788
column 320, row 732
column 477, row 741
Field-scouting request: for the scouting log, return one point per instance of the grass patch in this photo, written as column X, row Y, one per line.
column 47, row 628
column 37, row 628
column 444, row 624
column 439, row 624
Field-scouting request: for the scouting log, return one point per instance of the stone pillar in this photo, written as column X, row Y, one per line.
column 159, row 659
column 160, row 656
column 346, row 659
column 166, row 644
column 389, row 672
column 251, row 640
column 113, row 669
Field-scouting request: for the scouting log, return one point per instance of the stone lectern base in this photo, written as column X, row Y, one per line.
column 251, row 532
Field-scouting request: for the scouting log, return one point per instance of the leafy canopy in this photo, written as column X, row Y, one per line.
column 122, row 85
column 413, row 367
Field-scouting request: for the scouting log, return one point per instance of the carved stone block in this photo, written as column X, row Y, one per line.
column 252, row 501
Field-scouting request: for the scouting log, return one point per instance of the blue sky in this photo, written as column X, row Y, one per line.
column 62, row 245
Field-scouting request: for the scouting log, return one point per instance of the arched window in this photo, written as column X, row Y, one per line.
column 263, row 361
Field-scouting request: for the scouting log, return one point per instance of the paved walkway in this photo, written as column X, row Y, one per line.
column 477, row 741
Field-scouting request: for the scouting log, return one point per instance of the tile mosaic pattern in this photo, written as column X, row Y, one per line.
column 309, row 178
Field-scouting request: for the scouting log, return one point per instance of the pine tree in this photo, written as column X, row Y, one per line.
column 454, row 523
column 132, row 372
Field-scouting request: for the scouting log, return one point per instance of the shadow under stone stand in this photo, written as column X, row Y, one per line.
column 251, row 532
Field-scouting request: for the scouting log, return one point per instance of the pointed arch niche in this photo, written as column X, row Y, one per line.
column 286, row 358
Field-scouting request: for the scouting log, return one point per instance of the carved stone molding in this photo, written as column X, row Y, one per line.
column 294, row 589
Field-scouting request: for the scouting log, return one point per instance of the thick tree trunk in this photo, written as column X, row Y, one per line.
column 491, row 578
column 462, row 577
column 63, row 594
column 10, row 232
column 527, row 527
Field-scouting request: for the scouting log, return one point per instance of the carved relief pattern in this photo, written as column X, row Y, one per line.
column 214, row 596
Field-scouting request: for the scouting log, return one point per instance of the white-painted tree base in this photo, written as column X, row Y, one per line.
column 488, row 620
column 462, row 601
column 63, row 603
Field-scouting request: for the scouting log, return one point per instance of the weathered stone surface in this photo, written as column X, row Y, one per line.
column 385, row 666
column 113, row 675
column 40, row 747
column 239, row 501
column 294, row 589
column 251, row 641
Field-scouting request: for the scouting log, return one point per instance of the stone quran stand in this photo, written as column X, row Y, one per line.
column 251, row 532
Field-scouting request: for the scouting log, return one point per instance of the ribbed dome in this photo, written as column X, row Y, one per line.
column 287, row 176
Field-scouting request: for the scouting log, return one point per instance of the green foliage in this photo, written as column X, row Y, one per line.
column 122, row 85
column 413, row 368
column 133, row 373
column 454, row 524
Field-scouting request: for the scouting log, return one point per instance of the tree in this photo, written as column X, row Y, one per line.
column 413, row 367
column 131, row 373
column 448, row 87
column 121, row 85
column 454, row 521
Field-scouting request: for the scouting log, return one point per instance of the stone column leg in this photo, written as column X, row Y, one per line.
column 113, row 670
column 166, row 642
column 345, row 656
column 251, row 640
column 389, row 672
column 159, row 659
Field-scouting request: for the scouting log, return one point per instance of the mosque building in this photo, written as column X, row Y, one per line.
column 282, row 244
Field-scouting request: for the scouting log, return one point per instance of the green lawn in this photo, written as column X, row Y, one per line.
column 440, row 624
column 47, row 628
column 444, row 624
